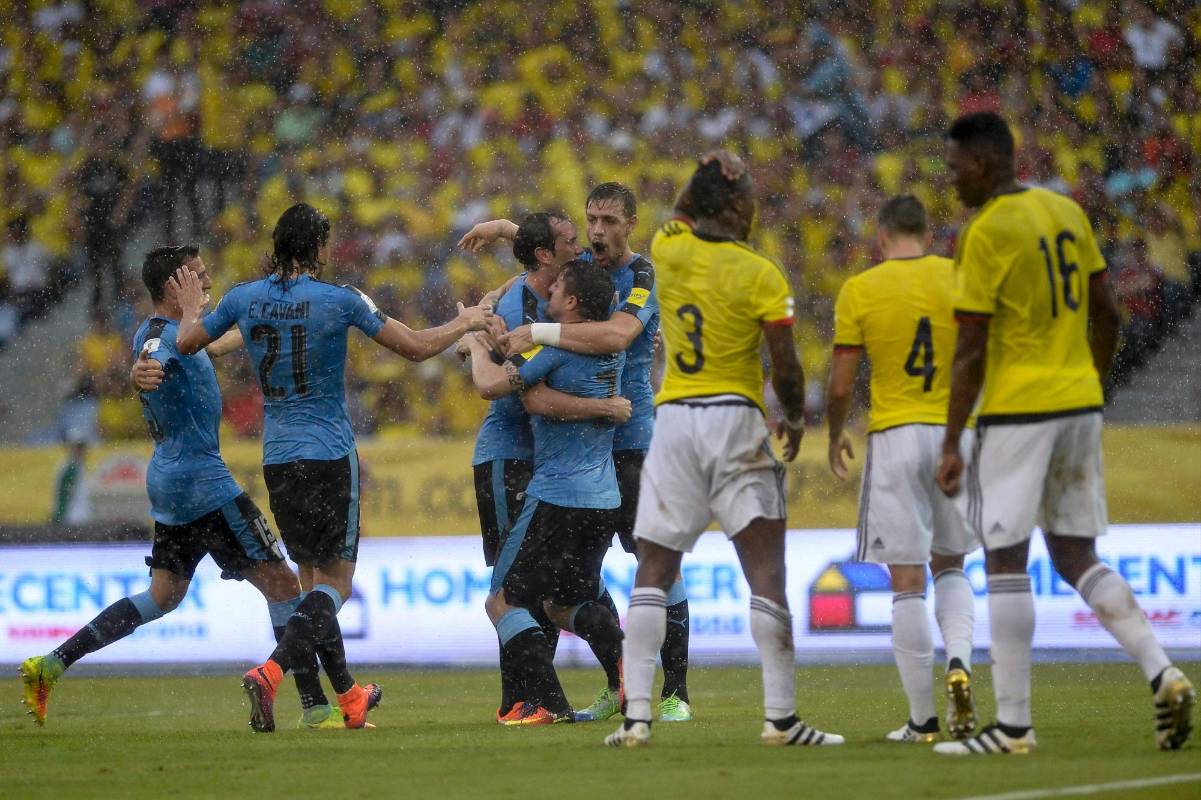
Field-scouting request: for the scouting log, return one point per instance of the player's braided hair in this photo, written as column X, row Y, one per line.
column 160, row 264
column 592, row 288
column 298, row 237
column 536, row 230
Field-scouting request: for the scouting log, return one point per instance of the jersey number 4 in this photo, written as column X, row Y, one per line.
column 923, row 349
column 1066, row 270
column 300, row 361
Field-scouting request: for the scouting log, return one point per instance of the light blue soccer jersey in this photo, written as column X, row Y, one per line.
column 187, row 478
column 506, row 431
column 295, row 332
column 636, row 294
column 573, row 461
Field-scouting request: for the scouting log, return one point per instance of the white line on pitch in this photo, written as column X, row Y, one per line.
column 1092, row 788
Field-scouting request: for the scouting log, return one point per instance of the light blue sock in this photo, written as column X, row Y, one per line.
column 513, row 623
column 333, row 594
column 147, row 608
column 280, row 612
column 677, row 594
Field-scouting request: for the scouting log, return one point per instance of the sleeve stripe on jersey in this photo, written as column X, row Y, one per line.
column 782, row 323
column 1103, row 271
column 847, row 348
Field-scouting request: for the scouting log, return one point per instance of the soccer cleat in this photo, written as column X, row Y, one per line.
column 909, row 733
column 512, row 715
column 632, row 733
column 260, row 690
column 1173, row 709
column 673, row 709
column 607, row 704
column 356, row 701
column 39, row 674
column 797, row 733
column 530, row 714
column 990, row 741
column 961, row 708
column 324, row 717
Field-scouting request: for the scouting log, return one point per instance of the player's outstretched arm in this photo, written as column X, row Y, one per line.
column 967, row 377
column 1105, row 320
column 491, row 380
column 613, row 335
column 544, row 401
column 229, row 342
column 788, row 379
column 423, row 344
column 184, row 286
column 838, row 407
column 485, row 233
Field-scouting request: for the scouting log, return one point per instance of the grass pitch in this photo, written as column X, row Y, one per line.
column 187, row 737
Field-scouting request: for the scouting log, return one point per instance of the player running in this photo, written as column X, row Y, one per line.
column 295, row 328
column 503, row 461
column 711, row 455
column 198, row 508
column 612, row 214
column 1038, row 327
column 552, row 556
column 898, row 313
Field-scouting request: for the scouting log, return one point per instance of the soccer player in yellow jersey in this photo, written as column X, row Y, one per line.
column 711, row 453
column 898, row 313
column 1030, row 284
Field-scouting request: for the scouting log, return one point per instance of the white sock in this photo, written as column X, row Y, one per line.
column 646, row 627
column 955, row 610
column 913, row 647
column 1011, row 619
column 1112, row 601
column 771, row 628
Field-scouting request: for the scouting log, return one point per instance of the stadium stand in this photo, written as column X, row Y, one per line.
column 127, row 121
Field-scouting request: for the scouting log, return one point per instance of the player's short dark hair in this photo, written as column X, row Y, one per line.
column 536, row 230
column 614, row 191
column 711, row 192
column 160, row 264
column 298, row 236
column 983, row 131
column 903, row 214
column 591, row 286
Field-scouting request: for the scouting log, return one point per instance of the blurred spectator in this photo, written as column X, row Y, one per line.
column 27, row 264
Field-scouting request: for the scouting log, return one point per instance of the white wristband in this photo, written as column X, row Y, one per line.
column 546, row 333
column 796, row 426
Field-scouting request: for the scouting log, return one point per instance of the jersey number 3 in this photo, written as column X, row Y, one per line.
column 923, row 348
column 698, row 347
column 300, row 360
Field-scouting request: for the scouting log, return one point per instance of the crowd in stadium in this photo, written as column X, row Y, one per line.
column 407, row 121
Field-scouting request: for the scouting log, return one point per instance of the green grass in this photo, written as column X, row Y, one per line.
column 187, row 737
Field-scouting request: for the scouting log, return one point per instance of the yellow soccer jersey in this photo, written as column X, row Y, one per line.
column 900, row 312
column 715, row 295
column 1025, row 261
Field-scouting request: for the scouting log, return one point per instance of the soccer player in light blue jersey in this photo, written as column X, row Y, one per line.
column 504, row 449
column 197, row 507
column 611, row 211
column 295, row 327
column 552, row 556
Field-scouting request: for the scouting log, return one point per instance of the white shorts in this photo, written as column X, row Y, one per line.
column 710, row 458
column 1047, row 473
column 903, row 515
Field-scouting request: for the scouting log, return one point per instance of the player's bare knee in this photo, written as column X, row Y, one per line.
column 495, row 606
column 1071, row 556
column 560, row 615
column 1007, row 560
column 907, row 577
column 940, row 563
column 657, row 566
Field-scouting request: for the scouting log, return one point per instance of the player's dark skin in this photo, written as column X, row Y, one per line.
column 760, row 545
column 979, row 174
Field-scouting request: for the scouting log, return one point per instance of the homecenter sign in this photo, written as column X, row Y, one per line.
column 420, row 600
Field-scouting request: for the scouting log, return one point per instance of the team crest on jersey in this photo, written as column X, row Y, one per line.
column 152, row 345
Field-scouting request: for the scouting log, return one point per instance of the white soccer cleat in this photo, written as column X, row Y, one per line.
column 632, row 733
column 1173, row 709
column 989, row 741
column 907, row 733
column 799, row 734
